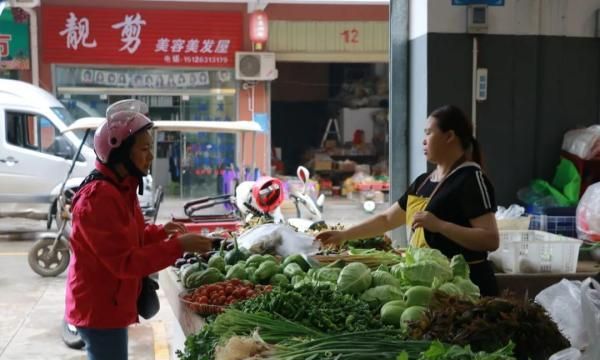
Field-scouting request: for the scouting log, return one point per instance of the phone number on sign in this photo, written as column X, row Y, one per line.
column 196, row 59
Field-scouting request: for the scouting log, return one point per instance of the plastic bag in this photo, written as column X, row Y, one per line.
column 562, row 301
column 588, row 214
column 567, row 354
column 513, row 212
column 562, row 192
column 585, row 143
column 590, row 306
column 280, row 239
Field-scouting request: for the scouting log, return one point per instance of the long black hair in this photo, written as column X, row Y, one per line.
column 450, row 117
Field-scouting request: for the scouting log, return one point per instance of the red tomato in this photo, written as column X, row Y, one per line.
column 203, row 300
column 228, row 290
column 249, row 293
column 221, row 300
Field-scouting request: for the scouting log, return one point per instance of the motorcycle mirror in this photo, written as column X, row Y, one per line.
column 321, row 200
column 303, row 174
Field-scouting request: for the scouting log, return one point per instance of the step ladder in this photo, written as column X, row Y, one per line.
column 329, row 131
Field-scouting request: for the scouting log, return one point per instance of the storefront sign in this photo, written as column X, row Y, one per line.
column 328, row 36
column 14, row 41
column 141, row 37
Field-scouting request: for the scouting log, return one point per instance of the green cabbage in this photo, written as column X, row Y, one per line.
column 381, row 277
column 424, row 273
column 459, row 267
column 380, row 295
column 354, row 278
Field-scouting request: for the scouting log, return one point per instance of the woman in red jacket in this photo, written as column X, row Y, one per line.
column 112, row 248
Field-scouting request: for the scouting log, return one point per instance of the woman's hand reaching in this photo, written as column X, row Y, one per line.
column 172, row 228
column 331, row 239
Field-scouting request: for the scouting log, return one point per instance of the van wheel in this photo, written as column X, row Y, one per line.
column 45, row 263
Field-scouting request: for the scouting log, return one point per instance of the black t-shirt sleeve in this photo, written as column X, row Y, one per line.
column 412, row 189
column 477, row 196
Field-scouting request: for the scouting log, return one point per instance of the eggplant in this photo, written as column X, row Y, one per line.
column 193, row 260
column 188, row 255
column 180, row 262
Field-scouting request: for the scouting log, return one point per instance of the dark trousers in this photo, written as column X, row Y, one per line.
column 104, row 344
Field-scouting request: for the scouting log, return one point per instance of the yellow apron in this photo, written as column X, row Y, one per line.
column 415, row 204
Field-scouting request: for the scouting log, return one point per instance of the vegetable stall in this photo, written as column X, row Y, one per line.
column 360, row 303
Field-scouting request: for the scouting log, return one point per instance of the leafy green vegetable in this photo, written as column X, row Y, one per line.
column 439, row 351
column 354, row 278
column 424, row 272
column 459, row 267
column 469, row 290
column 420, row 255
column 321, row 308
column 200, row 346
column 327, row 274
column 381, row 277
column 380, row 295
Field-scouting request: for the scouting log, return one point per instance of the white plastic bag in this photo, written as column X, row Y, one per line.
column 590, row 306
column 588, row 214
column 567, row 354
column 582, row 142
column 513, row 212
column 562, row 301
column 278, row 238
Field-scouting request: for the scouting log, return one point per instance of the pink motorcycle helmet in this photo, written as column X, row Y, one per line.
column 124, row 118
column 268, row 193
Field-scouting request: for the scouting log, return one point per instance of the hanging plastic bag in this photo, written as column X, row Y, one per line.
column 280, row 239
column 583, row 142
column 562, row 301
column 588, row 214
column 590, row 306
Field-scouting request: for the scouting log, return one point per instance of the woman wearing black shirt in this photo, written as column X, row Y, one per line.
column 450, row 209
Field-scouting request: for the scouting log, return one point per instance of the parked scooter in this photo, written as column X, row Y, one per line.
column 263, row 198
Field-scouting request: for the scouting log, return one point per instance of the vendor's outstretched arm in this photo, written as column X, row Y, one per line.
column 378, row 224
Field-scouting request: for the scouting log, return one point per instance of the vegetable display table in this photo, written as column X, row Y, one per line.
column 532, row 284
column 189, row 321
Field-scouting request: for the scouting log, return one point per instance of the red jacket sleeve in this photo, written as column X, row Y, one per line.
column 154, row 233
column 106, row 228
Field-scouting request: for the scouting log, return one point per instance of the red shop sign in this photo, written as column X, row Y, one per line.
column 87, row 35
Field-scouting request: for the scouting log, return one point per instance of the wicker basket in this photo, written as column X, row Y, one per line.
column 200, row 309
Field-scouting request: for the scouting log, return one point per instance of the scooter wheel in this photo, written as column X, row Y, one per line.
column 45, row 264
column 71, row 337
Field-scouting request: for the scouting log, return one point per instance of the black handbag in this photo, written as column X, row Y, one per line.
column 147, row 302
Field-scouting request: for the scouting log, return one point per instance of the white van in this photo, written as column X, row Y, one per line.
column 35, row 154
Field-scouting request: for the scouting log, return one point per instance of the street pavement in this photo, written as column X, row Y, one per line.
column 32, row 307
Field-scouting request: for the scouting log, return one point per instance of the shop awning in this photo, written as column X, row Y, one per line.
column 179, row 125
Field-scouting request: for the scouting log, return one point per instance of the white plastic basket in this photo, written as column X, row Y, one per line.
column 536, row 252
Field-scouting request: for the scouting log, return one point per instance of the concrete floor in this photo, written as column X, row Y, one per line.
column 31, row 307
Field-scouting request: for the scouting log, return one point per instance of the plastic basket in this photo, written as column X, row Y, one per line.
column 536, row 252
column 561, row 225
